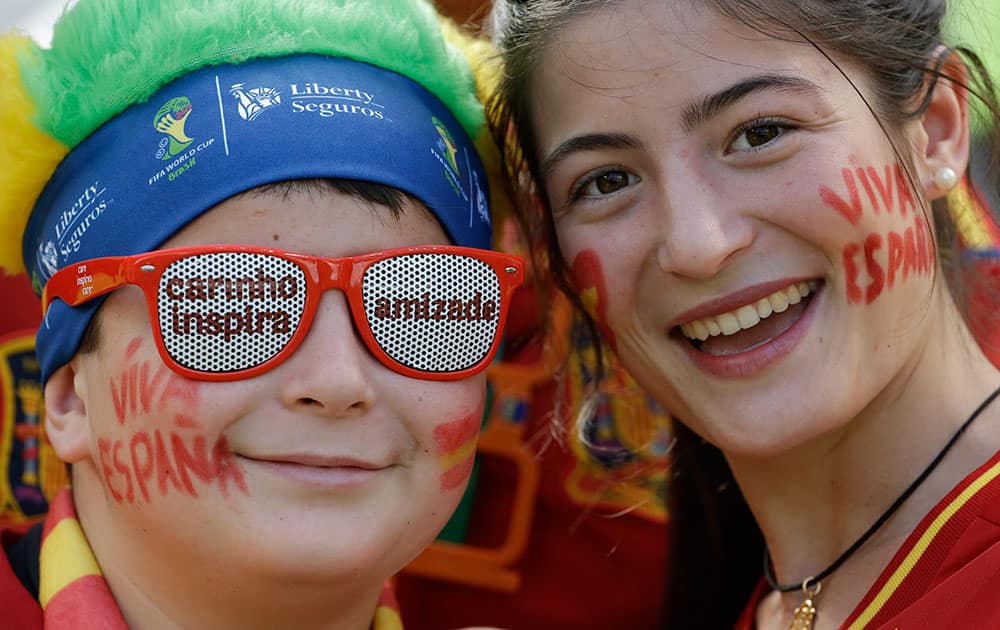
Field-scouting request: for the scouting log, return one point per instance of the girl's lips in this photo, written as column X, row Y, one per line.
column 734, row 300
column 752, row 324
column 758, row 356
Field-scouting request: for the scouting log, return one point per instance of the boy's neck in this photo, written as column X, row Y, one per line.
column 155, row 589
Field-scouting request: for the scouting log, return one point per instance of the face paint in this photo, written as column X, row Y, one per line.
column 588, row 275
column 143, row 389
column 871, row 180
column 456, row 449
column 166, row 459
column 881, row 260
column 162, row 462
column 887, row 262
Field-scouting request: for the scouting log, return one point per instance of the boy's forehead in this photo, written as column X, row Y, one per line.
column 313, row 219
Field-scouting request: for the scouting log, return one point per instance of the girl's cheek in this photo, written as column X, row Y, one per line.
column 890, row 242
column 589, row 280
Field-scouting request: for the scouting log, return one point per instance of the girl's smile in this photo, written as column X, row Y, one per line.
column 754, row 232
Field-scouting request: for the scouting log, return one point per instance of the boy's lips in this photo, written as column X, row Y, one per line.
column 316, row 460
column 318, row 470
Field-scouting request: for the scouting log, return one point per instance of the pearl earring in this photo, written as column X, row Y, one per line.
column 945, row 178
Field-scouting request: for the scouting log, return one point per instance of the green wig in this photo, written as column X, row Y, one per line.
column 107, row 55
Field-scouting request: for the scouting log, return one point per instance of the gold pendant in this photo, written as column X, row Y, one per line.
column 805, row 614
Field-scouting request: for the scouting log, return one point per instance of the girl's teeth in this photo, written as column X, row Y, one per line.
column 764, row 308
column 747, row 316
column 750, row 315
column 793, row 294
column 700, row 331
column 729, row 324
column 778, row 302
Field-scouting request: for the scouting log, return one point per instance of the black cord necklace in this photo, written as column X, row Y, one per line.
column 811, row 586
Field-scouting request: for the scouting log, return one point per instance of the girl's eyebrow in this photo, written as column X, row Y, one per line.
column 586, row 142
column 693, row 115
column 699, row 112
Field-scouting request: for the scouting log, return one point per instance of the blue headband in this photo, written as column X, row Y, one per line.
column 222, row 130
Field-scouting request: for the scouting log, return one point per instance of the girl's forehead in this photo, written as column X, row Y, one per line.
column 672, row 55
column 645, row 38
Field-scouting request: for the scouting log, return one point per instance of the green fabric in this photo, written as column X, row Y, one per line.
column 976, row 24
column 108, row 54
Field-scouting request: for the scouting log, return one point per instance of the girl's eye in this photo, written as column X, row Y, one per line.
column 755, row 135
column 603, row 183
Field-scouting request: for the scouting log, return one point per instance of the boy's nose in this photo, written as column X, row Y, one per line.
column 330, row 372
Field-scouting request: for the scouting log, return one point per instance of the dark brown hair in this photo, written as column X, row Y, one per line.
column 717, row 559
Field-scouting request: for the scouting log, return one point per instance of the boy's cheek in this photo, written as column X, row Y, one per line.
column 145, row 391
column 155, row 446
column 455, row 449
column 144, row 466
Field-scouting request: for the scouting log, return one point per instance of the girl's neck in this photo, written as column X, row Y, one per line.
column 814, row 501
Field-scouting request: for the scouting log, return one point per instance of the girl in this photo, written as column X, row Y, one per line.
column 756, row 202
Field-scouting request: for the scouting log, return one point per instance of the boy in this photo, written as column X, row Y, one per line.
column 262, row 352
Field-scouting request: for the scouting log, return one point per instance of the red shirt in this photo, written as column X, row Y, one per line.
column 946, row 574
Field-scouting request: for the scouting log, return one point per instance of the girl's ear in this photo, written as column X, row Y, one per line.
column 945, row 127
column 67, row 424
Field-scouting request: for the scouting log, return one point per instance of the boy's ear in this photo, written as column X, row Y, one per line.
column 66, row 422
column 945, row 124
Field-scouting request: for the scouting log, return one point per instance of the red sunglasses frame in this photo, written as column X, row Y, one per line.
column 88, row 279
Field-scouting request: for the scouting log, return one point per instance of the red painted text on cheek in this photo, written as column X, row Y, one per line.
column 143, row 388
column 173, row 457
column 886, row 189
column 163, row 462
column 455, row 446
column 588, row 275
column 880, row 261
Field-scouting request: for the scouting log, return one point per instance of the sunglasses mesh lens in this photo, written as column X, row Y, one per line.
column 229, row 311
column 433, row 312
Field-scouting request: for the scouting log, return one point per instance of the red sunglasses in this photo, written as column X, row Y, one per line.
column 228, row 312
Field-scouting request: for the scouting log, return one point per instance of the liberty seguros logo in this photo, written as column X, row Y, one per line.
column 48, row 259
column 253, row 102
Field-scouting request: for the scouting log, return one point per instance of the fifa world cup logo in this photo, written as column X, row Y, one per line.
column 170, row 120
column 449, row 147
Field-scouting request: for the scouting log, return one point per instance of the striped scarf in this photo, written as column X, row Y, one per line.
column 74, row 594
